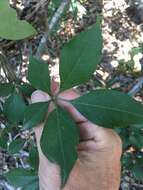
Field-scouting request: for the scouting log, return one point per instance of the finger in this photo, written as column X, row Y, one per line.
column 39, row 96
column 74, row 113
column 55, row 87
column 69, row 94
column 86, row 146
column 87, row 129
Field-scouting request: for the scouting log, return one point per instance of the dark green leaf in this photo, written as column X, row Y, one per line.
column 110, row 108
column 27, row 89
column 6, row 89
column 127, row 161
column 80, row 57
column 138, row 171
column 3, row 139
column 34, row 158
column 38, row 74
column 35, row 114
column 56, row 3
column 16, row 145
column 11, row 28
column 21, row 177
column 32, row 186
column 14, row 108
column 136, row 139
column 59, row 140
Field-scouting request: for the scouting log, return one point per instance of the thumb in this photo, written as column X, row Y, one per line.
column 63, row 101
column 86, row 128
column 49, row 173
column 39, row 96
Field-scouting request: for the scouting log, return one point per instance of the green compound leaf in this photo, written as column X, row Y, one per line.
column 35, row 114
column 14, row 108
column 80, row 57
column 21, row 177
column 6, row 89
column 59, row 140
column 10, row 27
column 16, row 145
column 110, row 108
column 38, row 74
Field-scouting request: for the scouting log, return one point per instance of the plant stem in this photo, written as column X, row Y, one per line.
column 6, row 68
column 55, row 19
column 137, row 87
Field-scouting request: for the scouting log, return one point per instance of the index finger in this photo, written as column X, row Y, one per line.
column 86, row 128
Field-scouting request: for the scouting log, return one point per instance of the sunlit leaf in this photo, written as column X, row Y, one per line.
column 11, row 28
column 80, row 57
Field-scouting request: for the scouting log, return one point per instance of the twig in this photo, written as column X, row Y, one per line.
column 137, row 87
column 5, row 185
column 11, row 76
column 55, row 19
column 138, row 185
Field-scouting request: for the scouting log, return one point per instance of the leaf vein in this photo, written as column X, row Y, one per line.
column 111, row 109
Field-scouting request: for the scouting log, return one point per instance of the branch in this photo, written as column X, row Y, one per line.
column 9, row 73
column 137, row 87
column 55, row 19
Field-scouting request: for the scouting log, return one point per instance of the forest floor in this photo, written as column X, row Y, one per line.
column 122, row 61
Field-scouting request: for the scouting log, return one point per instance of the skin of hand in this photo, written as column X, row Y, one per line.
column 99, row 152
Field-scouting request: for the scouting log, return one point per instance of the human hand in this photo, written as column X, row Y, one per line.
column 99, row 151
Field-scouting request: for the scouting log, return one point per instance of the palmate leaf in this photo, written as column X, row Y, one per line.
column 110, row 108
column 10, row 27
column 59, row 140
column 22, row 177
column 38, row 74
column 80, row 57
column 35, row 114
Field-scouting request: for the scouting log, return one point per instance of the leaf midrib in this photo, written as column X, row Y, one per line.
column 60, row 138
column 75, row 66
column 107, row 108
